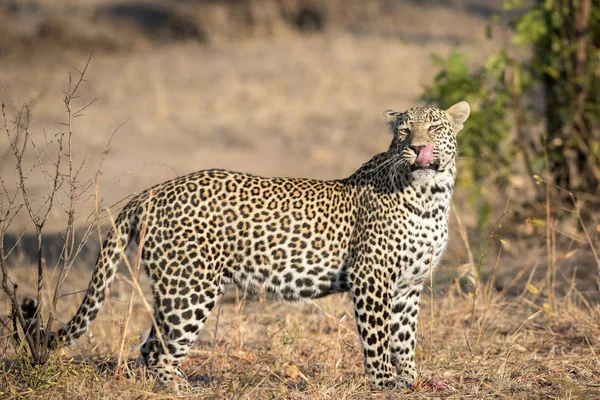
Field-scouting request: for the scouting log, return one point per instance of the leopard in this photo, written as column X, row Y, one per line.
column 376, row 235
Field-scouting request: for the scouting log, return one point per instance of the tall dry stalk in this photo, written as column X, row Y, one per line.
column 549, row 237
column 577, row 212
column 492, row 235
column 134, row 271
column 469, row 271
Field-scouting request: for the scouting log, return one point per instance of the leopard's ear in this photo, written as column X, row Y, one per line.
column 391, row 116
column 458, row 114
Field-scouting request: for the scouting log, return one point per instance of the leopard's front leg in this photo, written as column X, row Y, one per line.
column 372, row 305
column 404, row 321
column 372, row 294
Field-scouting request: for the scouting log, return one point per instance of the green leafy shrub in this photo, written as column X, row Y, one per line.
column 483, row 144
column 557, row 84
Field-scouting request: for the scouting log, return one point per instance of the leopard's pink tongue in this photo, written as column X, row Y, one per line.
column 425, row 156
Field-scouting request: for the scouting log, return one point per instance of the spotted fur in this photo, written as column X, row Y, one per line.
column 376, row 234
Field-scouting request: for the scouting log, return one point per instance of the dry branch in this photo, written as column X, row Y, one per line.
column 66, row 188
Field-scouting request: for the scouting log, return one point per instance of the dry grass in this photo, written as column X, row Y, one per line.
column 276, row 350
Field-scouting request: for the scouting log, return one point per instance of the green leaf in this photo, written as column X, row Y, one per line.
column 517, row 78
column 484, row 215
column 532, row 289
column 536, row 222
column 553, row 72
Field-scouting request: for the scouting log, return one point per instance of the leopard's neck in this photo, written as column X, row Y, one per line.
column 385, row 173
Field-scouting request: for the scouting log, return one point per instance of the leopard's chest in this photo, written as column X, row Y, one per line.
column 418, row 243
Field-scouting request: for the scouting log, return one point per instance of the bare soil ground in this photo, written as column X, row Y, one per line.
column 246, row 86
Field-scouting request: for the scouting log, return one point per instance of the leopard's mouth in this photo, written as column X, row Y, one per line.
column 425, row 159
column 433, row 166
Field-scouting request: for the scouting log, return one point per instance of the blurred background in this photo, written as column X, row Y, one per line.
column 127, row 94
column 298, row 87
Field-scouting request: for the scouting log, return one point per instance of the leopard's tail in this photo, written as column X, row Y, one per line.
column 113, row 249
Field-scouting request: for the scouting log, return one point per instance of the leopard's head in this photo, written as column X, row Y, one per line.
column 425, row 138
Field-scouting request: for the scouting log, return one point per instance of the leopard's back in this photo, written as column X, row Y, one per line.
column 289, row 237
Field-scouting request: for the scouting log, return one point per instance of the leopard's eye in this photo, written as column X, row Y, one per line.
column 434, row 126
column 403, row 130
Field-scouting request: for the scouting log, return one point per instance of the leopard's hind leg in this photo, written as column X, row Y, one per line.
column 183, row 301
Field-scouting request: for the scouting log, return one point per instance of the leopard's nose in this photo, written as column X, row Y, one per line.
column 416, row 149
